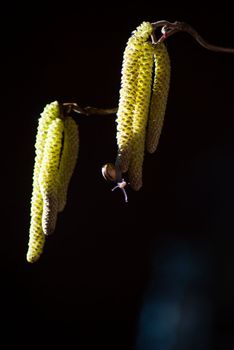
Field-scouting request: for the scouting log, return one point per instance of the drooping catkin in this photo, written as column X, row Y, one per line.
column 48, row 176
column 36, row 235
column 140, row 115
column 50, row 112
column 159, row 96
column 68, row 160
column 127, row 96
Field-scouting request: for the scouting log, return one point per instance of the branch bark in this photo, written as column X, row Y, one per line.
column 168, row 29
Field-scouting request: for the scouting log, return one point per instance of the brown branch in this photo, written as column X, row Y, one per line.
column 169, row 29
column 100, row 111
column 71, row 106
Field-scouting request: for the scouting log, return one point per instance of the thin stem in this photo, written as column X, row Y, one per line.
column 100, row 111
column 72, row 106
column 169, row 29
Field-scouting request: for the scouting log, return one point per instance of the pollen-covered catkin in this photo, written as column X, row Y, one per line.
column 48, row 176
column 36, row 235
column 140, row 115
column 159, row 96
column 50, row 113
column 68, row 159
column 127, row 95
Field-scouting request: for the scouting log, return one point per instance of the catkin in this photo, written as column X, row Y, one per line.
column 36, row 235
column 140, row 115
column 50, row 112
column 48, row 176
column 159, row 96
column 68, row 160
column 127, row 96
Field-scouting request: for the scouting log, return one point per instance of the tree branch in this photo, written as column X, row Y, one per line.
column 169, row 29
column 71, row 106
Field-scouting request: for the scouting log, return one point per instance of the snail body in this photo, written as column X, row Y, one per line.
column 112, row 173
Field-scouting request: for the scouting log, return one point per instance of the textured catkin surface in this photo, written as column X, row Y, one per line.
column 127, row 98
column 159, row 97
column 140, row 115
column 48, row 177
column 36, row 235
column 68, row 160
column 50, row 113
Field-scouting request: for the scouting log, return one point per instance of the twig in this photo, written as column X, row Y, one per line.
column 168, row 29
column 71, row 106
column 102, row 111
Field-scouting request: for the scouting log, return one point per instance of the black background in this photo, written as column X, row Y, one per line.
column 88, row 286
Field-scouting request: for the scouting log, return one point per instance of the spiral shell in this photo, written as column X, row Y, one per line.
column 109, row 172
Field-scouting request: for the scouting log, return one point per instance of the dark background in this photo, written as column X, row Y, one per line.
column 91, row 283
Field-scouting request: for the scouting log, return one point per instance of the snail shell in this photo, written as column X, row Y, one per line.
column 109, row 172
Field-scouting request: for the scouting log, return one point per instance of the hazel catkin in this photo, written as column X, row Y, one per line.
column 36, row 235
column 68, row 160
column 140, row 115
column 127, row 95
column 159, row 97
column 48, row 176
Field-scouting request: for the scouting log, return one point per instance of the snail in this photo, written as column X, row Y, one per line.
column 112, row 173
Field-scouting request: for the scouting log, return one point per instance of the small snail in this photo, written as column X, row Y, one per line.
column 112, row 173
column 109, row 172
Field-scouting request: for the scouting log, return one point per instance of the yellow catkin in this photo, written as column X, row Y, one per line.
column 127, row 95
column 36, row 235
column 159, row 96
column 140, row 116
column 48, row 176
column 68, row 160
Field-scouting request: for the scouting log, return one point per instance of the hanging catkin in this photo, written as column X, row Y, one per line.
column 68, row 159
column 140, row 115
column 159, row 96
column 48, row 176
column 127, row 99
column 36, row 235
